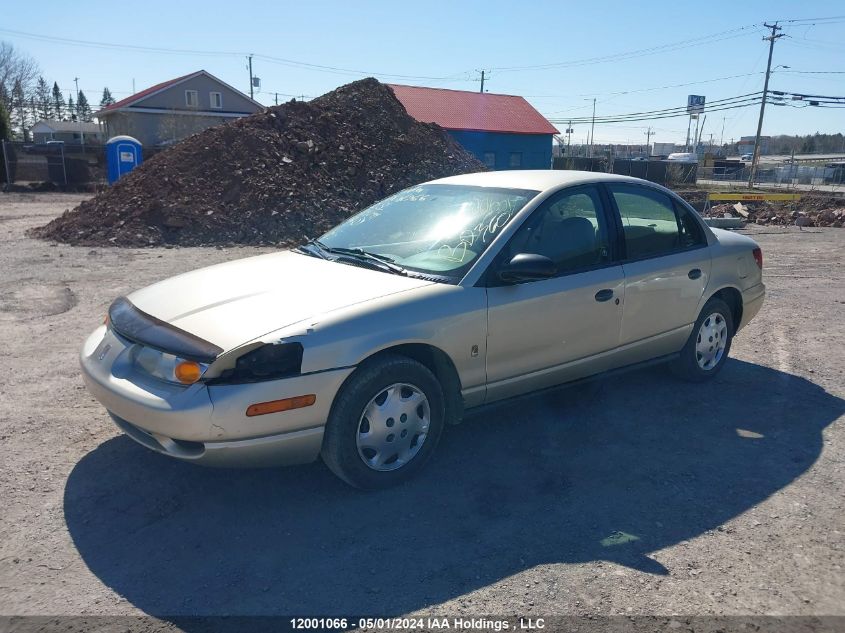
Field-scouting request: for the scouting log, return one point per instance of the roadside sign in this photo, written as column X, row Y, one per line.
column 695, row 104
column 753, row 197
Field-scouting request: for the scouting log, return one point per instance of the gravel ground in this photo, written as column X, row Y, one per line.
column 632, row 495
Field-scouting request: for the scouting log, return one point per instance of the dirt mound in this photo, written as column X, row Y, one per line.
column 808, row 211
column 276, row 177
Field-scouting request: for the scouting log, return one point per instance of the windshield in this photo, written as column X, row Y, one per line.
column 433, row 229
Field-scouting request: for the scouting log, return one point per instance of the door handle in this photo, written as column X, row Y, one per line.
column 604, row 295
column 695, row 273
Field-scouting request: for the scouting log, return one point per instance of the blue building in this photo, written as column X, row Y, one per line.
column 502, row 131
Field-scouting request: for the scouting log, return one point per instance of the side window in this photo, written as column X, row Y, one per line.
column 569, row 229
column 691, row 233
column 650, row 222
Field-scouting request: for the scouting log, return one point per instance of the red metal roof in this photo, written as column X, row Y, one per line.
column 145, row 93
column 464, row 110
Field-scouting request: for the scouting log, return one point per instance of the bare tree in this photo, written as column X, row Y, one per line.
column 16, row 67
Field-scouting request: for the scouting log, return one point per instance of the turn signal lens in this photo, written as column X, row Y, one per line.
column 187, row 372
column 277, row 406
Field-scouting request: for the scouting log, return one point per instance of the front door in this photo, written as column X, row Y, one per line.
column 545, row 332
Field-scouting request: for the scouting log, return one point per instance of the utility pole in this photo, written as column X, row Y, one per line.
column 648, row 141
column 755, row 159
column 250, row 77
column 593, row 128
column 568, row 138
column 689, row 125
column 277, row 98
column 79, row 118
column 694, row 148
column 700, row 132
column 482, row 83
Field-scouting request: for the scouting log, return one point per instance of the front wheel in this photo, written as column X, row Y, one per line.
column 708, row 346
column 385, row 423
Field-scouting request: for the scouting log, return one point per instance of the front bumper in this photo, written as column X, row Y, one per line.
column 207, row 424
column 285, row 449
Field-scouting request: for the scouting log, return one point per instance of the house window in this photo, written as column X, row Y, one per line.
column 516, row 160
column 191, row 98
column 216, row 100
column 490, row 159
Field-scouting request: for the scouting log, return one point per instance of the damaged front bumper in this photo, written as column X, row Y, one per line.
column 207, row 424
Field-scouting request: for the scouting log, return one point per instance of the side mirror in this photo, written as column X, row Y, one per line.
column 528, row 267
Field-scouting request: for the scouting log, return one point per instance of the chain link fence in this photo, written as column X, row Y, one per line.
column 668, row 173
column 55, row 164
column 789, row 176
column 79, row 166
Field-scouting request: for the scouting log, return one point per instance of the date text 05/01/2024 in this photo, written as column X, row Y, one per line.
column 419, row 623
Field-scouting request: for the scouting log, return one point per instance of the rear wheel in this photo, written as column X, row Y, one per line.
column 385, row 423
column 708, row 346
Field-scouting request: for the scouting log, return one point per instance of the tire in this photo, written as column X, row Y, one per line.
column 361, row 451
column 702, row 358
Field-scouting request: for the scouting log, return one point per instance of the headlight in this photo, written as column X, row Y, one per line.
column 168, row 366
column 268, row 362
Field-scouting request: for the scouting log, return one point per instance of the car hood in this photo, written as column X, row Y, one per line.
column 232, row 303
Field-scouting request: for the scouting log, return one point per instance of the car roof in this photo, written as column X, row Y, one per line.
column 533, row 179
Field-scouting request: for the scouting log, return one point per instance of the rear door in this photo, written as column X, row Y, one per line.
column 666, row 263
column 537, row 329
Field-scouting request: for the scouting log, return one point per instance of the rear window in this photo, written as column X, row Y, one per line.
column 653, row 224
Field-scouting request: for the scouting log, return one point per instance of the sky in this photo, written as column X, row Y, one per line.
column 629, row 56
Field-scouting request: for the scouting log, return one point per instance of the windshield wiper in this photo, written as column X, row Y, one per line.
column 382, row 262
column 309, row 249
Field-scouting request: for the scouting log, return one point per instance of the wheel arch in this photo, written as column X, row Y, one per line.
column 733, row 297
column 437, row 362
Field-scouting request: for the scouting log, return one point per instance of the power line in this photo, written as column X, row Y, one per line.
column 653, row 50
column 656, row 117
column 836, row 18
column 639, row 90
column 814, row 72
column 183, row 51
column 680, row 109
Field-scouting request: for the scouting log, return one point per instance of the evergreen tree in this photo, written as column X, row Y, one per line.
column 43, row 100
column 59, row 106
column 34, row 110
column 5, row 135
column 20, row 120
column 5, row 98
column 71, row 109
column 5, row 125
column 107, row 99
column 83, row 107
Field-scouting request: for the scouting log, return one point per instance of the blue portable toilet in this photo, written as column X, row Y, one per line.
column 123, row 154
